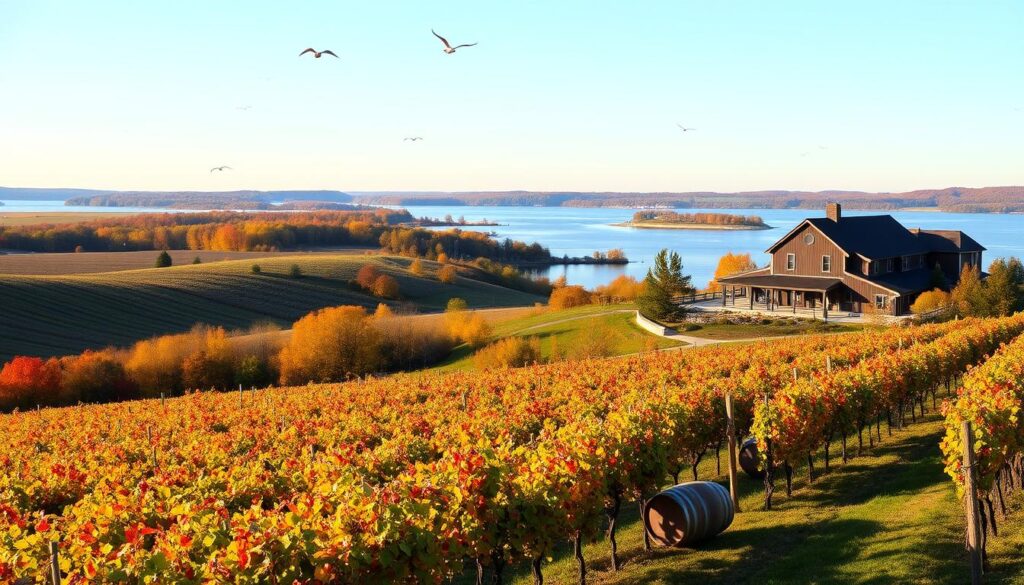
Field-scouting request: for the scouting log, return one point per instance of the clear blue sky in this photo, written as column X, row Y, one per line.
column 581, row 95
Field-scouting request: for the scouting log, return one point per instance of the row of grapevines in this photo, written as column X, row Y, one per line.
column 804, row 415
column 990, row 397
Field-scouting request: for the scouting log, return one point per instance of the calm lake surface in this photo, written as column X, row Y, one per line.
column 581, row 231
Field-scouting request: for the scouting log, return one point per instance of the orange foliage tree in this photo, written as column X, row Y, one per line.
column 367, row 276
column 329, row 345
column 624, row 288
column 567, row 297
column 447, row 274
column 385, row 287
column 95, row 376
column 27, row 381
column 730, row 264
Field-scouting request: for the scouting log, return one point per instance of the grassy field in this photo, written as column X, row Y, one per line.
column 571, row 331
column 56, row 315
column 56, row 217
column 889, row 516
column 779, row 327
column 95, row 262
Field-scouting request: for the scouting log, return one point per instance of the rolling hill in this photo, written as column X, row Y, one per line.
column 58, row 315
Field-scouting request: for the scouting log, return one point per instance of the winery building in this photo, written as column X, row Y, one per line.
column 849, row 264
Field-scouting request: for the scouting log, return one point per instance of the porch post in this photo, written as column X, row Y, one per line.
column 824, row 305
column 750, row 293
column 792, row 300
column 723, row 295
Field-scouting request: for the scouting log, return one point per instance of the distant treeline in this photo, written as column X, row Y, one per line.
column 210, row 200
column 984, row 199
column 242, row 231
column 698, row 218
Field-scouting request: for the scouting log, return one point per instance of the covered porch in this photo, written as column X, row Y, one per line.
column 796, row 295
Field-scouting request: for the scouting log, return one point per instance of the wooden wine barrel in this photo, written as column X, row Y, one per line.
column 750, row 459
column 688, row 513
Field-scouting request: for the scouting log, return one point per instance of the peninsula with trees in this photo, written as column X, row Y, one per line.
column 660, row 219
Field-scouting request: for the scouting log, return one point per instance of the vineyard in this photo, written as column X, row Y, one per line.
column 408, row 477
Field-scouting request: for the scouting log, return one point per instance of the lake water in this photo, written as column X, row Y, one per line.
column 581, row 231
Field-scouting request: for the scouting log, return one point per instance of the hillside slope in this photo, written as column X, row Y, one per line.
column 57, row 315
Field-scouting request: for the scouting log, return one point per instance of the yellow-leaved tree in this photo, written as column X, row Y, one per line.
column 728, row 265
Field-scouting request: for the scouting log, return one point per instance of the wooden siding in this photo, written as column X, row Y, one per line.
column 808, row 257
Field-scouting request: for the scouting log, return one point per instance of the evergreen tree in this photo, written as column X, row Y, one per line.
column 938, row 279
column 163, row 260
column 664, row 280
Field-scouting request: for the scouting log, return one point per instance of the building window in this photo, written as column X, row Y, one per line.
column 826, row 263
column 890, row 264
column 881, row 301
column 876, row 267
column 790, row 261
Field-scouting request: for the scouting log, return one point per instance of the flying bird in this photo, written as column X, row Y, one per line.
column 684, row 128
column 221, row 168
column 447, row 46
column 318, row 54
column 244, row 108
column 413, row 138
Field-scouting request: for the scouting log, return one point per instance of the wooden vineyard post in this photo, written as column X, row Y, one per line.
column 971, row 502
column 731, row 429
column 54, row 563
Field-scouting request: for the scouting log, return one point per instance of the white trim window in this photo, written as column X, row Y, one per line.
column 790, row 261
column 876, row 266
column 826, row 263
column 881, row 301
column 890, row 264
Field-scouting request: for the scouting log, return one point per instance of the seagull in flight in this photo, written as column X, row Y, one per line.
column 318, row 54
column 221, row 168
column 684, row 128
column 447, row 46
column 413, row 138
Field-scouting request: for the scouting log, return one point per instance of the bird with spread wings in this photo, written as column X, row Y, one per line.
column 318, row 54
column 448, row 48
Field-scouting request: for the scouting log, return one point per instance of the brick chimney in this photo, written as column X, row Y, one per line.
column 834, row 211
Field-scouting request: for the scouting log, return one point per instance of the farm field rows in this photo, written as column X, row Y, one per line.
column 59, row 263
column 58, row 315
column 401, row 478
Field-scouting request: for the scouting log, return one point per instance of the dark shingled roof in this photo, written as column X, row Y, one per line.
column 951, row 241
column 905, row 282
column 871, row 236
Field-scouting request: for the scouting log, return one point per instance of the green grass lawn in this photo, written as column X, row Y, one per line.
column 727, row 331
column 57, row 315
column 889, row 516
column 573, row 330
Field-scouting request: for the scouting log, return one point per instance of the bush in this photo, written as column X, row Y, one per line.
column 256, row 269
column 95, row 376
column 408, row 344
column 197, row 260
column 511, row 352
column 456, row 304
column 447, row 274
column 295, row 271
column 330, row 345
column 28, row 381
column 623, row 289
column 367, row 276
column 466, row 326
column 163, row 260
column 79, row 249
column 385, row 287
column 254, row 371
column 567, row 297
column 416, row 267
column 929, row 301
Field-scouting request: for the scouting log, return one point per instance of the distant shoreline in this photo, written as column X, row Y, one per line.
column 689, row 226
